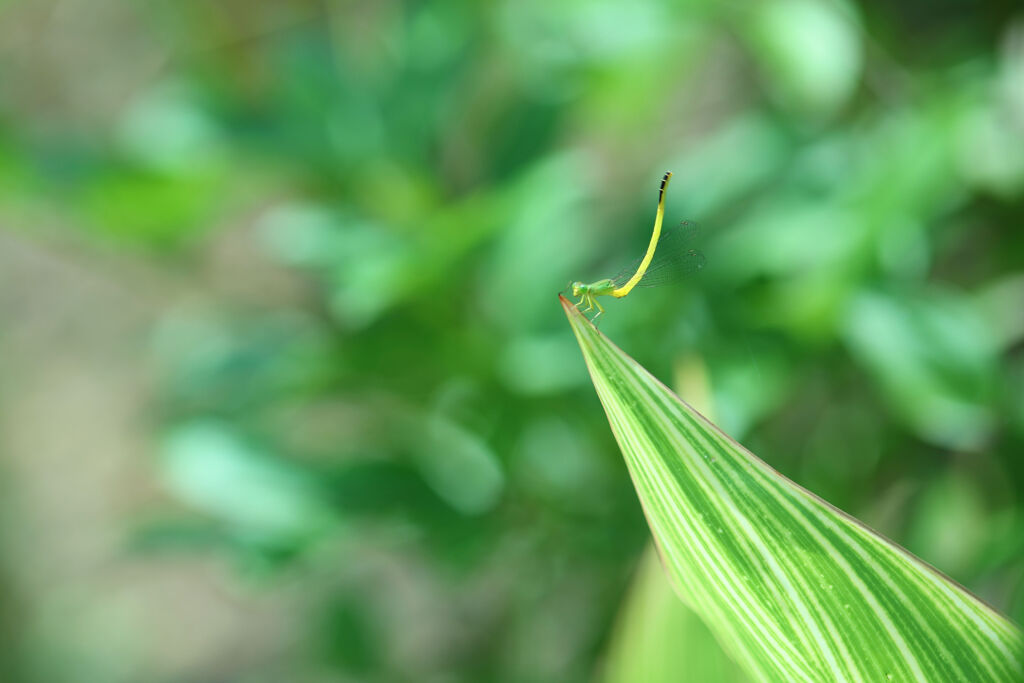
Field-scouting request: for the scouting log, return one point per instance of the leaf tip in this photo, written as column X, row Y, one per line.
column 570, row 309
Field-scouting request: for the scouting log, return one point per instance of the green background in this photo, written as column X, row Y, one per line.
column 285, row 389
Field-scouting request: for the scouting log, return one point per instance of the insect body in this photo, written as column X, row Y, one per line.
column 675, row 257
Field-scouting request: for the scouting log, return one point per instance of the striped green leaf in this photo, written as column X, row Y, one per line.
column 657, row 637
column 792, row 588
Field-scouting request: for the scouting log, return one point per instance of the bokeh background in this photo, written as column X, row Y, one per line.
column 285, row 389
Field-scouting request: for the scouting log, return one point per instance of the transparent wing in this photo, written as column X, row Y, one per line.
column 675, row 258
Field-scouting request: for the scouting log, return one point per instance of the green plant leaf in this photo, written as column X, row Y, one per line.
column 793, row 588
column 657, row 637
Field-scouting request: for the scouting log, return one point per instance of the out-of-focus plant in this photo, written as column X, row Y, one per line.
column 348, row 221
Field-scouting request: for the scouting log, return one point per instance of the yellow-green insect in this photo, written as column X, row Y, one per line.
column 674, row 258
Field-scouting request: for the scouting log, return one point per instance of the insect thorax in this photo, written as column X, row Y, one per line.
column 601, row 287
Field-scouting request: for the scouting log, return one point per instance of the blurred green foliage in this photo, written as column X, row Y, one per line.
column 364, row 384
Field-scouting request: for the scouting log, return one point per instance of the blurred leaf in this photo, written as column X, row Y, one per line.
column 810, row 50
column 365, row 265
column 747, row 386
column 143, row 207
column 792, row 587
column 742, row 154
column 350, row 638
column 1000, row 302
column 934, row 356
column 990, row 152
column 568, row 479
column 459, row 466
column 788, row 238
column 538, row 365
column 950, row 524
column 529, row 258
column 169, row 133
column 209, row 467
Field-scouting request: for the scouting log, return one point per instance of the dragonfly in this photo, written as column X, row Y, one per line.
column 676, row 258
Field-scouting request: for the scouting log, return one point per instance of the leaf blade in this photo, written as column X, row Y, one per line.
column 793, row 588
